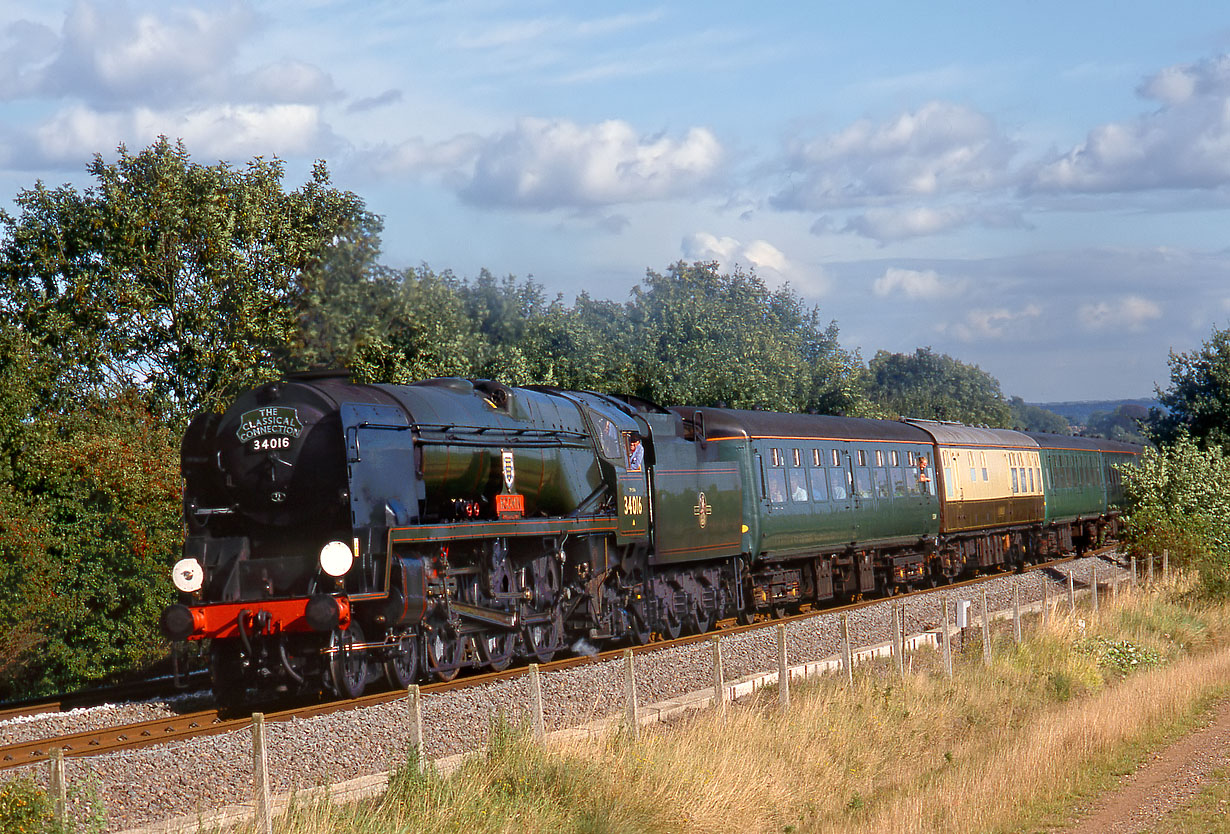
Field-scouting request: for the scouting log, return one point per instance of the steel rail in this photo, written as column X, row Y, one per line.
column 212, row 722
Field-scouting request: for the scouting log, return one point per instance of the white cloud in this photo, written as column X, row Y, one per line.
column 890, row 224
column 111, row 52
column 1183, row 144
column 75, row 134
column 289, row 81
column 913, row 283
column 991, row 324
column 768, row 262
column 547, row 164
column 159, row 56
column 941, row 148
column 1131, row 312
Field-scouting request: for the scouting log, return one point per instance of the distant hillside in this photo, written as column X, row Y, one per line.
column 1077, row 413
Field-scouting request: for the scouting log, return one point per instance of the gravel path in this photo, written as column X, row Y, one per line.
column 1170, row 779
column 155, row 783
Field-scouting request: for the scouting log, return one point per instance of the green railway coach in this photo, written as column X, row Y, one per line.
column 1083, row 484
column 843, row 494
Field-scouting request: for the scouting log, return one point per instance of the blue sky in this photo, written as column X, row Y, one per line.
column 1039, row 189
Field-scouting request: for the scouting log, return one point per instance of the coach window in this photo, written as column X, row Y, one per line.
column 984, row 465
column 880, row 476
column 836, row 458
column 879, row 457
column 910, row 483
column 896, row 481
column 1031, row 479
column 819, row 477
column 776, row 478
column 798, row 485
column 862, row 457
column 862, row 481
column 838, row 484
column 949, row 485
column 796, row 477
column 1014, row 482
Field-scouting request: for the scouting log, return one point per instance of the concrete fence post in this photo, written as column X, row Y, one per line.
column 57, row 790
column 783, row 670
column 719, row 676
column 1151, row 558
column 986, row 632
column 416, row 723
column 1071, row 595
column 1046, row 602
column 944, row 637
column 894, row 648
column 1093, row 587
column 1133, row 573
column 1016, row 611
column 847, row 652
column 536, row 718
column 260, row 776
column 899, row 617
column 631, row 708
column 1165, row 565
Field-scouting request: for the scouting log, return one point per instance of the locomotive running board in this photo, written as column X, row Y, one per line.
column 492, row 529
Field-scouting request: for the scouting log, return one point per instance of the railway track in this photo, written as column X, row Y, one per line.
column 211, row 722
column 138, row 690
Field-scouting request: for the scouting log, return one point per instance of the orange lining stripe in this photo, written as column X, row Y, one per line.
column 736, row 543
column 821, row 439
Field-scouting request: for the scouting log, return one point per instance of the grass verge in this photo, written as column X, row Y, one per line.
column 1010, row 747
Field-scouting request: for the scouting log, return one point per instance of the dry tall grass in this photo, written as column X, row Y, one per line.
column 1000, row 748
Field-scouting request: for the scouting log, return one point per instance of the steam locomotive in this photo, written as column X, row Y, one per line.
column 336, row 531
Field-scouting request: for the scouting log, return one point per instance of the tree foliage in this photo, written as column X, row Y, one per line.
column 88, row 525
column 937, row 387
column 1178, row 499
column 1026, row 417
column 1197, row 402
column 706, row 338
column 1123, row 423
column 180, row 279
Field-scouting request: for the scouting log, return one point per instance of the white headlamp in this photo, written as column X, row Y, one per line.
column 336, row 558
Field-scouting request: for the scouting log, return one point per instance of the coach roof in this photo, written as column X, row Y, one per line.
column 727, row 423
column 955, row 434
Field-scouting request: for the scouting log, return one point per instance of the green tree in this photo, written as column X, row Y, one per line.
column 180, row 279
column 90, row 521
column 937, row 387
column 1026, row 417
column 1197, row 402
column 1121, row 424
column 1178, row 499
column 708, row 338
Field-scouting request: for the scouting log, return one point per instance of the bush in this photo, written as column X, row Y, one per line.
column 25, row 808
column 1178, row 499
